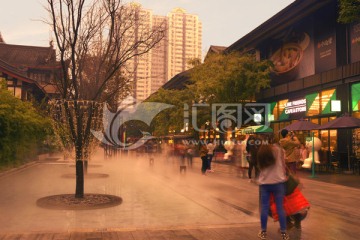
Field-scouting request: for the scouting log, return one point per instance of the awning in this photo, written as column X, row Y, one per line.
column 257, row 129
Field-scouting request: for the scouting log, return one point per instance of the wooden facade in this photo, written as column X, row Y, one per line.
column 29, row 72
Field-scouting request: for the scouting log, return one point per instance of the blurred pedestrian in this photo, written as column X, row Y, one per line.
column 252, row 146
column 304, row 153
column 238, row 150
column 211, row 147
column 190, row 154
column 291, row 144
column 203, row 155
column 272, row 177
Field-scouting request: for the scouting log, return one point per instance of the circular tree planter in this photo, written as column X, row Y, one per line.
column 88, row 202
column 89, row 166
column 88, row 175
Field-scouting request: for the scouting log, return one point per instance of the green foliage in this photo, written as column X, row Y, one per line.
column 230, row 78
column 22, row 130
column 194, row 62
column 349, row 11
column 171, row 118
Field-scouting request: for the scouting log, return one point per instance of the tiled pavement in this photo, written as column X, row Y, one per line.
column 161, row 203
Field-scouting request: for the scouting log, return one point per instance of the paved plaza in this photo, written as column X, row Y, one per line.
column 160, row 202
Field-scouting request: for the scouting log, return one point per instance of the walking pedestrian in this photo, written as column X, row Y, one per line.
column 203, row 155
column 238, row 150
column 189, row 154
column 272, row 177
column 252, row 146
column 211, row 147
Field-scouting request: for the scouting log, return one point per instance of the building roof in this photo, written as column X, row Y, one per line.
column 15, row 60
column 28, row 56
column 21, row 75
column 214, row 50
column 178, row 82
column 278, row 23
column 14, row 72
column 1, row 39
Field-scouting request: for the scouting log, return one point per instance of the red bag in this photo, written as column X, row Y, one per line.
column 293, row 203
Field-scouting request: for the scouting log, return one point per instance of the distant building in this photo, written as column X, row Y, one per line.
column 179, row 81
column 29, row 71
column 182, row 42
column 185, row 40
column 159, row 64
column 139, row 67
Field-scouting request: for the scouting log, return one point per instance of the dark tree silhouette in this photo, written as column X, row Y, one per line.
column 95, row 40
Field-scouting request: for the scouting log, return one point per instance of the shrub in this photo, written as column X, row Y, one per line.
column 23, row 130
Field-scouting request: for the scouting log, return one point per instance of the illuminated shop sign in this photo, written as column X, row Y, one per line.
column 295, row 106
column 335, row 106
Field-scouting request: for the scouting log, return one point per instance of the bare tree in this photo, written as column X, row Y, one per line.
column 95, row 40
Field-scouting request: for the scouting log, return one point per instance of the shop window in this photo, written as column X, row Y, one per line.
column 276, row 127
column 324, row 137
column 333, row 140
column 328, row 137
column 324, row 121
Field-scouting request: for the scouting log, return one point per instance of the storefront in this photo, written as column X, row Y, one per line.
column 316, row 73
column 321, row 107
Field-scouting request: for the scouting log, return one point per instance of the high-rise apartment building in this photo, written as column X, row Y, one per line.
column 159, row 56
column 182, row 42
column 185, row 40
column 139, row 67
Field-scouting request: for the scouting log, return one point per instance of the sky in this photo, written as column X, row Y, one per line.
column 224, row 21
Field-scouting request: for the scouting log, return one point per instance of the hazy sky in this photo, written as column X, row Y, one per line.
column 224, row 21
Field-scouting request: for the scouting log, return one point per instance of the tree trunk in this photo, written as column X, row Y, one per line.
column 86, row 163
column 79, row 193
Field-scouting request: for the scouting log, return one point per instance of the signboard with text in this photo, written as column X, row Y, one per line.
column 296, row 106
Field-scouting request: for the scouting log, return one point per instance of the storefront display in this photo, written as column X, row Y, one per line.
column 356, row 143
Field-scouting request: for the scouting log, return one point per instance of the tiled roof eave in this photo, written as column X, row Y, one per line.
column 15, row 74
